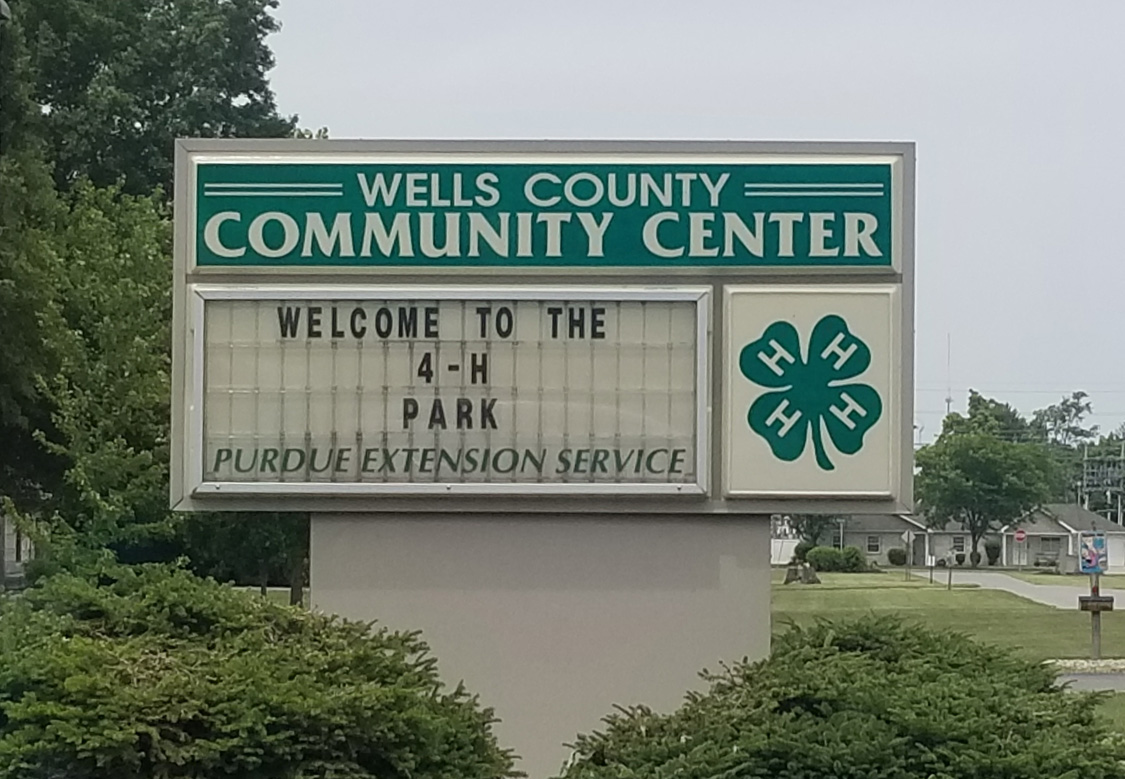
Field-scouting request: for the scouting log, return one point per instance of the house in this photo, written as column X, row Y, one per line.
column 15, row 551
column 1052, row 538
column 948, row 542
column 876, row 534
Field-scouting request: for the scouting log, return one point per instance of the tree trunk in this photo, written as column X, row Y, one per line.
column 296, row 576
column 264, row 576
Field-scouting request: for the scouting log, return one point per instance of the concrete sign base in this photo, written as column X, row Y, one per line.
column 552, row 620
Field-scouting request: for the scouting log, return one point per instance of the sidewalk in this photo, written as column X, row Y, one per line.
column 1060, row 596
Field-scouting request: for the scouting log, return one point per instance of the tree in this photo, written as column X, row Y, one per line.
column 1062, row 427
column 980, row 481
column 987, row 415
column 257, row 547
column 155, row 673
column 120, row 80
column 29, row 265
column 811, row 527
column 1062, row 423
column 873, row 698
column 111, row 391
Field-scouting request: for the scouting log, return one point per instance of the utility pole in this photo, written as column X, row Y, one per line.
column 948, row 379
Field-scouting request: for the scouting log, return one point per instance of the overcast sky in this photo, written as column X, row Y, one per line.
column 1017, row 109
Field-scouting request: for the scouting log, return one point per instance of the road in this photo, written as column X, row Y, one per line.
column 1060, row 596
column 1115, row 682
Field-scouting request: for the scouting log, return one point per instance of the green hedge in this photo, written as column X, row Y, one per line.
column 850, row 559
column 158, row 673
column 874, row 699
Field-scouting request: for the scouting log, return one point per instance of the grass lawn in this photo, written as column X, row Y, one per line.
column 1114, row 710
column 1035, row 631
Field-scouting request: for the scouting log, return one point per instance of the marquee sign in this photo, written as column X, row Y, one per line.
column 653, row 327
column 569, row 390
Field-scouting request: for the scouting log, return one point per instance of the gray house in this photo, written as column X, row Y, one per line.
column 15, row 550
column 1051, row 538
column 876, row 534
column 946, row 543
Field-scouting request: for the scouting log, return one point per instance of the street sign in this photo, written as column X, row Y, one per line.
column 1021, row 535
column 1095, row 603
column 654, row 328
column 1092, row 555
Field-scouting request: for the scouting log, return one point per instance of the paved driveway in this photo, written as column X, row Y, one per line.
column 1096, row 682
column 1060, row 596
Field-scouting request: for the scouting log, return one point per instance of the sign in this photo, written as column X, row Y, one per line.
column 700, row 329
column 1021, row 535
column 1095, row 603
column 510, row 211
column 1092, row 555
column 812, row 377
column 547, row 389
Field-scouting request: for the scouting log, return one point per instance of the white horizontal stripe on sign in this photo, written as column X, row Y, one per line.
column 776, row 193
column 272, row 193
column 270, row 185
column 825, row 185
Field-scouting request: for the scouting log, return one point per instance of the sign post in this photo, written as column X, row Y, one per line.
column 1021, row 546
column 540, row 398
column 1093, row 560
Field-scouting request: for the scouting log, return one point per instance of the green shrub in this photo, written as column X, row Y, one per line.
column 896, row 556
column 801, row 551
column 960, row 558
column 873, row 698
column 853, row 560
column 992, row 549
column 156, row 673
column 825, row 558
column 974, row 558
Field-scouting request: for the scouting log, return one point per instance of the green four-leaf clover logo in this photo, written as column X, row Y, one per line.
column 810, row 391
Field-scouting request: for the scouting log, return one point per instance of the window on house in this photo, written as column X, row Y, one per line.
column 874, row 545
column 958, row 543
column 1050, row 546
column 838, row 537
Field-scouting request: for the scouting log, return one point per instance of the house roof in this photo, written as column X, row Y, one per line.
column 1056, row 518
column 881, row 523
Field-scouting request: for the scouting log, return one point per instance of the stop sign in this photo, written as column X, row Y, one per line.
column 1021, row 535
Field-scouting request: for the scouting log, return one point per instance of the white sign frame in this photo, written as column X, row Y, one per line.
column 899, row 427
column 198, row 486
column 711, row 502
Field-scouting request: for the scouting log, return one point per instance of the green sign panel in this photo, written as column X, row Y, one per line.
column 461, row 215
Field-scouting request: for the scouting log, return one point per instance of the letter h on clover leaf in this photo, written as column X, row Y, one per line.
column 810, row 393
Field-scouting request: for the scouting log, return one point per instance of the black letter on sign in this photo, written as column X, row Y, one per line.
column 555, row 313
column 504, row 322
column 314, row 322
column 464, row 414
column 483, row 312
column 431, row 322
column 487, row 421
column 437, row 415
column 359, row 323
column 409, row 411
column 478, row 367
column 597, row 322
column 288, row 319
